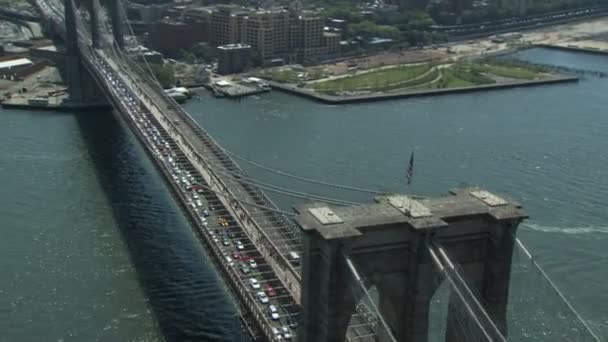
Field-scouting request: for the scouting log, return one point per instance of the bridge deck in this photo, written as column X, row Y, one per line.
column 277, row 234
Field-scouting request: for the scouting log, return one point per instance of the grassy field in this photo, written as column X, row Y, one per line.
column 384, row 79
column 506, row 71
column 429, row 76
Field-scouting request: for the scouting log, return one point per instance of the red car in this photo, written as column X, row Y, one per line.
column 236, row 256
column 270, row 291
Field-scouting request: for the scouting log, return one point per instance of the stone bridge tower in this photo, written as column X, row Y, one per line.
column 82, row 87
column 388, row 243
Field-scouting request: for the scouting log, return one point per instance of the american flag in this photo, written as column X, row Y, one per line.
column 410, row 169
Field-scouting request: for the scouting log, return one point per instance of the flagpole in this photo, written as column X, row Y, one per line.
column 409, row 175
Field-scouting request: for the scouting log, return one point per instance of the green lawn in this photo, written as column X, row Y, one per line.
column 457, row 77
column 375, row 80
column 410, row 77
column 512, row 72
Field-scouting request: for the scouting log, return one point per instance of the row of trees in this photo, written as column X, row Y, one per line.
column 403, row 26
column 164, row 73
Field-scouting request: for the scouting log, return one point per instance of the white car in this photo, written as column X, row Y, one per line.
column 229, row 260
column 277, row 334
column 239, row 245
column 262, row 297
column 252, row 263
column 199, row 203
column 286, row 333
column 272, row 311
column 254, row 283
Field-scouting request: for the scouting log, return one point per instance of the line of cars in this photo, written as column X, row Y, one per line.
column 234, row 244
column 237, row 249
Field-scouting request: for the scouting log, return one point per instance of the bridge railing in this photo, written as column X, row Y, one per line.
column 224, row 157
column 285, row 271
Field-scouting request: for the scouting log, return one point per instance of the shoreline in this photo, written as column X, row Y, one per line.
column 57, row 108
column 572, row 49
column 329, row 99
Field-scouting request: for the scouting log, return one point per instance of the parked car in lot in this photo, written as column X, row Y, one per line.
column 252, row 263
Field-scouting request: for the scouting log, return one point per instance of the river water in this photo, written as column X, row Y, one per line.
column 94, row 248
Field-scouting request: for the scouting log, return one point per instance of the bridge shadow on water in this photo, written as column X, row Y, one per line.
column 180, row 283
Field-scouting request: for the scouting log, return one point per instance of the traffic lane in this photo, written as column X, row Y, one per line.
column 263, row 273
column 224, row 220
column 269, row 284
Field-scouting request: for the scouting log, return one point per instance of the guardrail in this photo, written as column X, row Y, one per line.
column 290, row 276
column 287, row 274
column 283, row 269
column 245, row 297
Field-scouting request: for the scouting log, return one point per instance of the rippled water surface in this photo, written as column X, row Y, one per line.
column 545, row 146
column 93, row 247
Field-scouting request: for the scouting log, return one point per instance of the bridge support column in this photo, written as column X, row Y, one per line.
column 388, row 243
column 72, row 55
column 489, row 280
column 405, row 297
column 118, row 22
column 326, row 291
column 81, row 86
column 94, row 8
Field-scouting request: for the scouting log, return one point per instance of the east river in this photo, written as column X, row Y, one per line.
column 93, row 247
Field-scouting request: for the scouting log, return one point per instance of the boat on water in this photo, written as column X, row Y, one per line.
column 179, row 94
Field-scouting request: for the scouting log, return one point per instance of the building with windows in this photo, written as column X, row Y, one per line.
column 275, row 34
column 169, row 36
column 227, row 25
column 233, row 58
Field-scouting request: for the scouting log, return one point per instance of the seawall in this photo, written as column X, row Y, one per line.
column 573, row 49
column 329, row 99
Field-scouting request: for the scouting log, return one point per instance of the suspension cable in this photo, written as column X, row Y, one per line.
column 359, row 282
column 250, row 180
column 285, row 174
column 445, row 270
column 556, row 289
column 304, row 179
column 270, row 187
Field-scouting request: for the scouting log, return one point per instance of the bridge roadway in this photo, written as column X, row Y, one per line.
column 196, row 150
column 267, row 237
column 233, row 248
column 363, row 323
column 274, row 235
